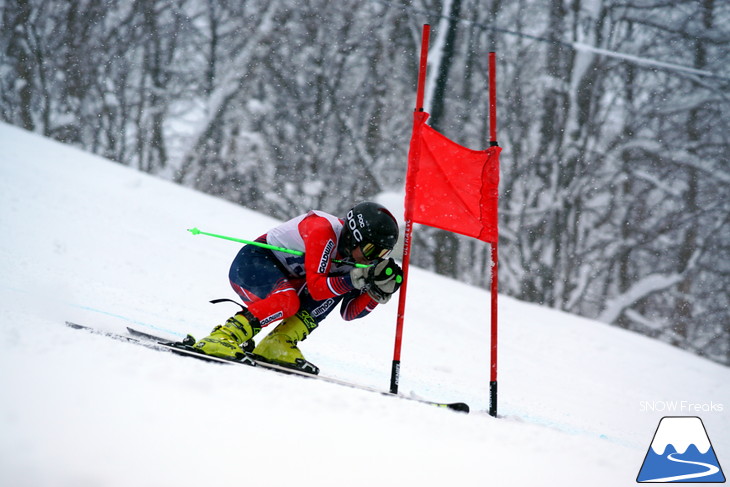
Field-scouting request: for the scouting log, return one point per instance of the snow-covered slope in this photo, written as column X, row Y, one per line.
column 87, row 240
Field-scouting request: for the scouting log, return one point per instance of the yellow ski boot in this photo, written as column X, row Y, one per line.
column 280, row 346
column 231, row 340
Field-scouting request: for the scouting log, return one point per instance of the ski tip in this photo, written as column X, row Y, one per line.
column 462, row 407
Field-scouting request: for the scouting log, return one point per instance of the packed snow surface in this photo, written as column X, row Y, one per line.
column 91, row 241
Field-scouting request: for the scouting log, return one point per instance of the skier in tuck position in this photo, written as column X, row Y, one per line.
column 302, row 290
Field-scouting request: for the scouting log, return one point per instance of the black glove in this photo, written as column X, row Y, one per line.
column 380, row 280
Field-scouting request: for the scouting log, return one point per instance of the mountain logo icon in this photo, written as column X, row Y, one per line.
column 681, row 452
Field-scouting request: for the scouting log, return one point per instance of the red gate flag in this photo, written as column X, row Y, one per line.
column 451, row 187
column 455, row 189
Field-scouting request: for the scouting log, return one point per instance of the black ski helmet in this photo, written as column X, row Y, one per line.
column 371, row 227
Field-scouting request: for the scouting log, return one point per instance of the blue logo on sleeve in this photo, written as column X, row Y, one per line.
column 681, row 452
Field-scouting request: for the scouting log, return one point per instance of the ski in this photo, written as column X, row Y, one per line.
column 182, row 348
column 250, row 360
column 137, row 340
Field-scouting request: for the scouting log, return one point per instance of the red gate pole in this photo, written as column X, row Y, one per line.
column 412, row 157
column 494, row 245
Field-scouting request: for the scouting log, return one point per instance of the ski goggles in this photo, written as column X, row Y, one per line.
column 373, row 252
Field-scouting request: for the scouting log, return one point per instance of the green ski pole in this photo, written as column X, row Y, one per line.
column 196, row 231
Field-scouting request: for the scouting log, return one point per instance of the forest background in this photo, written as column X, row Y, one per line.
column 614, row 118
